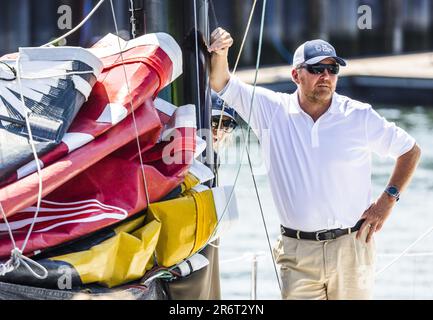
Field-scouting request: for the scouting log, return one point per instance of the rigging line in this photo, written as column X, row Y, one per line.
column 76, row 27
column 245, row 36
column 246, row 141
column 261, row 210
column 245, row 146
column 413, row 254
column 403, row 253
column 131, row 106
column 247, row 29
column 214, row 13
column 248, row 123
column 197, row 66
column 408, row 255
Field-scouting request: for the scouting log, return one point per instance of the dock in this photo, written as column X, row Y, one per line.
column 404, row 80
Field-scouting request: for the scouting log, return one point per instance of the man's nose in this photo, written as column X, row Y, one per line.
column 326, row 74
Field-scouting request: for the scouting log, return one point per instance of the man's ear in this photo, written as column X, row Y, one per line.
column 295, row 76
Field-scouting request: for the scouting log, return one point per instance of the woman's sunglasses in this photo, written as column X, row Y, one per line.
column 319, row 68
column 227, row 125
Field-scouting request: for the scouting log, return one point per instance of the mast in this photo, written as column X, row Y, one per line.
column 177, row 18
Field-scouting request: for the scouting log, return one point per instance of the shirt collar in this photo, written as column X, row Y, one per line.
column 335, row 106
column 294, row 106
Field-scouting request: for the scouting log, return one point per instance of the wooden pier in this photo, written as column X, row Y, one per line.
column 401, row 79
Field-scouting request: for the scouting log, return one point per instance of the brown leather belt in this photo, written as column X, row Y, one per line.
column 322, row 235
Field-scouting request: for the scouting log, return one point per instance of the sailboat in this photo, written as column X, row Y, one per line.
column 111, row 193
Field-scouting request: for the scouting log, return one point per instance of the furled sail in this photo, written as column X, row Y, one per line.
column 47, row 86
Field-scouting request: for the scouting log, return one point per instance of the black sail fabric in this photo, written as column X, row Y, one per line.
column 155, row 290
column 54, row 83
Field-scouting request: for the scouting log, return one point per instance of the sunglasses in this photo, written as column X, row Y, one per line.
column 319, row 68
column 227, row 125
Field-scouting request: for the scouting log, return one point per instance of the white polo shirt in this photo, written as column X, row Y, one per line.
column 319, row 172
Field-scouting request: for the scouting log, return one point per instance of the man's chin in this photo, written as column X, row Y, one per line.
column 323, row 95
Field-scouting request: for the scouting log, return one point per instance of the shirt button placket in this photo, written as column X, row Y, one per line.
column 315, row 134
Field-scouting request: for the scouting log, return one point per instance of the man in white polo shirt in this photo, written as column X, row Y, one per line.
column 317, row 146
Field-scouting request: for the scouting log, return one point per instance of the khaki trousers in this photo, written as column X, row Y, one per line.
column 340, row 269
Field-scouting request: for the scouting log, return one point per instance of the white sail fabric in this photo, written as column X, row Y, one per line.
column 48, row 86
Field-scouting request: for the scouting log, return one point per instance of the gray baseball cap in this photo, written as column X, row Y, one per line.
column 314, row 51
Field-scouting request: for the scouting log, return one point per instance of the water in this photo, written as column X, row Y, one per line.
column 409, row 278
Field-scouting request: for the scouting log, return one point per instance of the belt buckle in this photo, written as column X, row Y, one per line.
column 320, row 232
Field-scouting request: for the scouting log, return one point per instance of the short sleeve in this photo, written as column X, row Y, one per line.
column 385, row 138
column 238, row 95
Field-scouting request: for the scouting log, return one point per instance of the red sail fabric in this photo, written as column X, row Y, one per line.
column 23, row 193
column 108, row 191
column 151, row 62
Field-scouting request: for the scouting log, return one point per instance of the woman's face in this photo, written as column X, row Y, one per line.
column 219, row 135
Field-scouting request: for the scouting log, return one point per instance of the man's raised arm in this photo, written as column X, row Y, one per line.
column 221, row 41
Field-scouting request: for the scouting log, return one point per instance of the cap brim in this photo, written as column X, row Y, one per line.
column 315, row 60
column 218, row 113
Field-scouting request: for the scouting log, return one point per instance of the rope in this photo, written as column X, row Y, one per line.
column 248, row 132
column 247, row 29
column 246, row 149
column 261, row 210
column 403, row 253
column 164, row 274
column 246, row 144
column 132, row 108
column 197, row 66
column 245, row 36
column 17, row 257
column 76, row 27
column 214, row 14
column 415, row 254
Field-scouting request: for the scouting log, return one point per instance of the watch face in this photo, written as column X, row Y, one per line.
column 393, row 190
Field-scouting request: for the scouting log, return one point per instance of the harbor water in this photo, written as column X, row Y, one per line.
column 411, row 277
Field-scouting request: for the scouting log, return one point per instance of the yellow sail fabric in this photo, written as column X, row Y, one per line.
column 189, row 182
column 186, row 225
column 117, row 260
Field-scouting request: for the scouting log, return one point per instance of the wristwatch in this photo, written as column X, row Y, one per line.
column 393, row 192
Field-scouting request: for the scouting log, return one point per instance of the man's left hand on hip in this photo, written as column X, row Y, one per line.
column 376, row 215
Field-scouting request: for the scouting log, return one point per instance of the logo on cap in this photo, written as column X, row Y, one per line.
column 323, row 48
